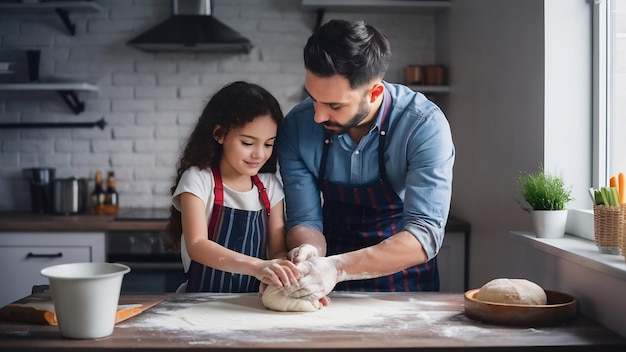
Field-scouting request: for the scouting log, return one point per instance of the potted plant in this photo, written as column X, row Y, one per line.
column 545, row 196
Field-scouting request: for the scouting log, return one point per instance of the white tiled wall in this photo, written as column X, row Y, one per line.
column 149, row 101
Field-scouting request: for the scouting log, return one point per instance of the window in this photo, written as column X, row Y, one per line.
column 616, row 96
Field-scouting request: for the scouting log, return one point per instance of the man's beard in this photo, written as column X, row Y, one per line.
column 361, row 114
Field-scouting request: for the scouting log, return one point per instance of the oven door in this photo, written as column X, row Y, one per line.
column 152, row 276
column 152, row 267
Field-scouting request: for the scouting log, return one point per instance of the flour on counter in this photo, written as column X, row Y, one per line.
column 248, row 313
column 456, row 331
column 243, row 318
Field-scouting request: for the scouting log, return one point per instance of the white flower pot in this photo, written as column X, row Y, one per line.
column 549, row 223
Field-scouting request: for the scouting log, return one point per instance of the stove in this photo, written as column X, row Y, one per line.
column 133, row 214
column 153, row 267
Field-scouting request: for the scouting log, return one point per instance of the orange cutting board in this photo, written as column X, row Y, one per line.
column 38, row 308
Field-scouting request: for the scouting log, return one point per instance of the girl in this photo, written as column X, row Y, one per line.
column 222, row 206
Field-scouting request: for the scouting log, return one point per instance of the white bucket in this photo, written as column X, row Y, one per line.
column 85, row 297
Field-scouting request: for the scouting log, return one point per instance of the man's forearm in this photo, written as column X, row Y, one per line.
column 299, row 235
column 394, row 254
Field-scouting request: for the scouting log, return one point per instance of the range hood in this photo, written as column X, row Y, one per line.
column 191, row 29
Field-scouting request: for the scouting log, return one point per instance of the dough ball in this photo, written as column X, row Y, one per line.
column 276, row 299
column 512, row 291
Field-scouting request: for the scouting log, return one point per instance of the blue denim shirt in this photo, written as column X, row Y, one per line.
column 419, row 160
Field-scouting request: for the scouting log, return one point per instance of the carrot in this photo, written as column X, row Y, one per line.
column 622, row 188
column 613, row 184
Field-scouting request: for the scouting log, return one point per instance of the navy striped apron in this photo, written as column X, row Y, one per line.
column 360, row 216
column 239, row 230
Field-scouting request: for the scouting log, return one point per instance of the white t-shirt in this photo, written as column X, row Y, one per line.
column 201, row 183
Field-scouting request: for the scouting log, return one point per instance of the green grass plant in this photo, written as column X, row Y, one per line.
column 544, row 191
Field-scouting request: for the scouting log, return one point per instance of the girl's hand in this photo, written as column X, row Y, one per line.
column 262, row 288
column 279, row 272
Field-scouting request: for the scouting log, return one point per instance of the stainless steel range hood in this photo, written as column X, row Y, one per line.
column 192, row 28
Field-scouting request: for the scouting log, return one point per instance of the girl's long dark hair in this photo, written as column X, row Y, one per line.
column 233, row 106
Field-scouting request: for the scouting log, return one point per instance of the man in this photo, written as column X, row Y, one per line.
column 380, row 154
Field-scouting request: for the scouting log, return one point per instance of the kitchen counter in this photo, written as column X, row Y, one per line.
column 389, row 321
column 25, row 221
column 137, row 239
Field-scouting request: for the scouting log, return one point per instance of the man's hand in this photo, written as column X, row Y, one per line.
column 302, row 253
column 318, row 277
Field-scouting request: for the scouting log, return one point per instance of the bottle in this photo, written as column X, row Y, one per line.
column 98, row 195
column 111, row 199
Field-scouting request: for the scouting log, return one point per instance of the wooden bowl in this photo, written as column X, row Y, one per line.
column 560, row 307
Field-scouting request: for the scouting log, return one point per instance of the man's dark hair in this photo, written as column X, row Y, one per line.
column 352, row 49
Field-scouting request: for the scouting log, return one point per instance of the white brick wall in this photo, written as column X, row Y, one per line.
column 151, row 102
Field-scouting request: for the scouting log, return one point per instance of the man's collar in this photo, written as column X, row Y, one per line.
column 379, row 114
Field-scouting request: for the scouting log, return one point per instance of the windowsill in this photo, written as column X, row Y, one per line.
column 577, row 250
column 575, row 265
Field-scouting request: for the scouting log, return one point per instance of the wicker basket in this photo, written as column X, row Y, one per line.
column 608, row 228
column 622, row 238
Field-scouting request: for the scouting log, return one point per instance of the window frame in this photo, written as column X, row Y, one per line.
column 580, row 221
column 602, row 83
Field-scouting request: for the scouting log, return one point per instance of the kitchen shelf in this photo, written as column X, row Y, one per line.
column 373, row 6
column 430, row 89
column 100, row 124
column 387, row 6
column 61, row 8
column 67, row 90
column 79, row 86
column 50, row 6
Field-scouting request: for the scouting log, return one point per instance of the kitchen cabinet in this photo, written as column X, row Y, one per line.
column 451, row 261
column 61, row 8
column 24, row 254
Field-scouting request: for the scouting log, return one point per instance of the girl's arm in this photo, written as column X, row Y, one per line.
column 280, row 272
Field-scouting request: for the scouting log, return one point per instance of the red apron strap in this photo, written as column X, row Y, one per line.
column 218, row 202
column 219, row 186
column 262, row 193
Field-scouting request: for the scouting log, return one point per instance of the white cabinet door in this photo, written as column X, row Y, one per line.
column 451, row 262
column 23, row 255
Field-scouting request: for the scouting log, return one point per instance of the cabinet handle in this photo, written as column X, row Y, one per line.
column 34, row 255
